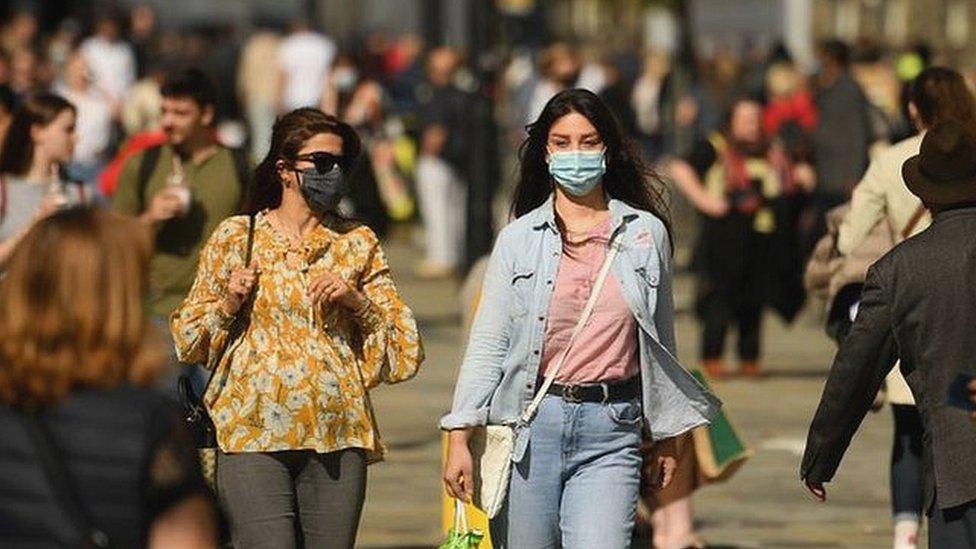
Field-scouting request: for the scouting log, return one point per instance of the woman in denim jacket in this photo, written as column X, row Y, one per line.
column 576, row 474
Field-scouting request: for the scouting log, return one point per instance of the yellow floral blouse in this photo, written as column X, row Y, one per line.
column 297, row 378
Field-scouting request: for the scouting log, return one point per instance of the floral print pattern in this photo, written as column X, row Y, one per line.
column 299, row 376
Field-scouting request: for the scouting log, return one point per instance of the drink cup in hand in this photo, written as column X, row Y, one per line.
column 182, row 193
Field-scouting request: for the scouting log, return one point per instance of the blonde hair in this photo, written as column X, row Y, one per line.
column 71, row 309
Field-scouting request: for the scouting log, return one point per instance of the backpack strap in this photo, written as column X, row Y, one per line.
column 913, row 222
column 150, row 157
column 59, row 478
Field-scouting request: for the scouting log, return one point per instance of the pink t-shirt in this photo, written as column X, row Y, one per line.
column 606, row 349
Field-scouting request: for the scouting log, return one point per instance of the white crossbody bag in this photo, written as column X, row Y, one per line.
column 492, row 445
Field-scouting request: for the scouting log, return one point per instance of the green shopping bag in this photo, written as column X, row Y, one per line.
column 460, row 537
column 718, row 448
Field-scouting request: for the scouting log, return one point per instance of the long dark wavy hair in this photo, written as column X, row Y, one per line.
column 291, row 132
column 627, row 177
column 17, row 153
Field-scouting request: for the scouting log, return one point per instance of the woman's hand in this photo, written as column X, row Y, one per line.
column 714, row 207
column 459, row 467
column 331, row 288
column 805, row 177
column 50, row 205
column 239, row 286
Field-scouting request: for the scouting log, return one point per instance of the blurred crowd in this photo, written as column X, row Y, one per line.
column 426, row 110
column 759, row 145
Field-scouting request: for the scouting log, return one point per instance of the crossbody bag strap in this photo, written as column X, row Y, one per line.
column 236, row 327
column 913, row 222
column 584, row 317
column 59, row 478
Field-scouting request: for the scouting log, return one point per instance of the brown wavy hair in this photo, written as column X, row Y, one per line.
column 291, row 132
column 71, row 309
column 941, row 94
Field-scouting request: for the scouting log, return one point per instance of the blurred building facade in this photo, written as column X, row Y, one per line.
column 947, row 26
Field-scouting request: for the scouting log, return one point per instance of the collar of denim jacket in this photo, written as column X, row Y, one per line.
column 545, row 215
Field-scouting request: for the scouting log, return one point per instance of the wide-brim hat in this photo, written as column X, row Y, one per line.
column 944, row 171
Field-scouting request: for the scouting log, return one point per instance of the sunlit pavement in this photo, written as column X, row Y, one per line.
column 764, row 505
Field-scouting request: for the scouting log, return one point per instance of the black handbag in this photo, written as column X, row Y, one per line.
column 196, row 415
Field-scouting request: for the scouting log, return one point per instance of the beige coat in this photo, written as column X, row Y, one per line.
column 882, row 194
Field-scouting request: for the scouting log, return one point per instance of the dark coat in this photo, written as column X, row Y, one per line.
column 919, row 305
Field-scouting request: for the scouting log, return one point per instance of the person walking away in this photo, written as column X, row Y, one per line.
column 916, row 307
column 304, row 59
column 937, row 94
column 734, row 180
column 40, row 142
column 843, row 135
column 324, row 326
column 582, row 192
column 441, row 185
column 182, row 190
column 83, row 432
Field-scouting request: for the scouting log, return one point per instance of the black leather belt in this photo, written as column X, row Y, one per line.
column 597, row 392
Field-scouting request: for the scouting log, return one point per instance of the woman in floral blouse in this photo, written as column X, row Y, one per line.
column 325, row 325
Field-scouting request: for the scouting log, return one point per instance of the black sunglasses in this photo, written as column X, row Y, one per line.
column 324, row 162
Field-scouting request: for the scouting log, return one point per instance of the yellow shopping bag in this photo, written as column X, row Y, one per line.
column 477, row 520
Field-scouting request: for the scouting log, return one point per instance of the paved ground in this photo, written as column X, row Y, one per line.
column 763, row 506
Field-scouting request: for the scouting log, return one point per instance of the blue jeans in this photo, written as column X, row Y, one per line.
column 578, row 482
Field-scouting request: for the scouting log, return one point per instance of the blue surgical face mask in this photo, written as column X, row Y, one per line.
column 322, row 191
column 578, row 172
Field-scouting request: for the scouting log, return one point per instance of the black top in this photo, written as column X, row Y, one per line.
column 918, row 305
column 450, row 108
column 702, row 157
column 129, row 457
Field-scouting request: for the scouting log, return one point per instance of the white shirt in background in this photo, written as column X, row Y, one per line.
column 112, row 64
column 305, row 57
column 93, row 125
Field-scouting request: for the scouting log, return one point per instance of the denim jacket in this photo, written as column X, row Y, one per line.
column 501, row 366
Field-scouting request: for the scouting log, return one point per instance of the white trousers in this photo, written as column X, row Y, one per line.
column 443, row 203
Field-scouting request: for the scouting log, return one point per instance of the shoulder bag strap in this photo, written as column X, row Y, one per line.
column 238, row 325
column 584, row 316
column 59, row 478
column 913, row 222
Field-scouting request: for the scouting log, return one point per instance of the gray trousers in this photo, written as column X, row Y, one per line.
column 953, row 528
column 286, row 500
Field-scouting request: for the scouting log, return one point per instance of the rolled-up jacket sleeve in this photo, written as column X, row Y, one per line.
column 488, row 345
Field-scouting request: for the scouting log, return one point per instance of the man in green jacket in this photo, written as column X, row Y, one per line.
column 182, row 189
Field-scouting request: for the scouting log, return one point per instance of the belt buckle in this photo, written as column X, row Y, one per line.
column 571, row 393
